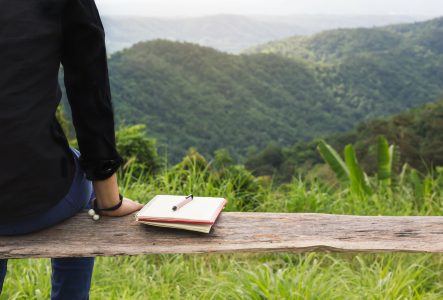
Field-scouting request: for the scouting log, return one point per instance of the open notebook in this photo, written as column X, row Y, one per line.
column 198, row 215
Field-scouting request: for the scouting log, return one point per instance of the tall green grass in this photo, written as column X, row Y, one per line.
column 245, row 276
column 258, row 276
column 247, row 193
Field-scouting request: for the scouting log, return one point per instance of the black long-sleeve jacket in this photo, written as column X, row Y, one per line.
column 36, row 164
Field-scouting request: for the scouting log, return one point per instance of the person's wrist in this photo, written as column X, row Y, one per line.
column 106, row 192
column 96, row 211
column 110, row 206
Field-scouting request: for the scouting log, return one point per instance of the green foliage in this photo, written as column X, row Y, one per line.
column 359, row 183
column 133, row 144
column 61, row 118
column 267, row 162
column 260, row 276
column 195, row 175
column 66, row 125
column 385, row 158
column 423, row 186
column 194, row 161
column 334, row 161
column 222, row 159
column 413, row 193
column 416, row 134
column 244, row 276
column 350, row 172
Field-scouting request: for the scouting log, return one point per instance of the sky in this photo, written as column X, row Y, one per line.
column 164, row 8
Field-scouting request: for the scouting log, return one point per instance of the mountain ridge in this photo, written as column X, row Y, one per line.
column 325, row 46
column 194, row 96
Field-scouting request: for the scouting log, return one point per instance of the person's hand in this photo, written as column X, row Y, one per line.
column 106, row 192
column 128, row 207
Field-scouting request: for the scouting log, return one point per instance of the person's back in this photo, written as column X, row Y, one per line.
column 42, row 179
column 33, row 147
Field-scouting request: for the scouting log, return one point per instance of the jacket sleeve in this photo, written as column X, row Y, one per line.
column 84, row 61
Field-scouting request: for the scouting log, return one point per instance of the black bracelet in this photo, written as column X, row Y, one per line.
column 115, row 207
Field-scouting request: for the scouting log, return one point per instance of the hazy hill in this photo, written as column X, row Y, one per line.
column 312, row 24
column 231, row 33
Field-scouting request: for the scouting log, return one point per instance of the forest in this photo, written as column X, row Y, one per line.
column 416, row 134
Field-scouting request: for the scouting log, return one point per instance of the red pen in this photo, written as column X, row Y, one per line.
column 183, row 202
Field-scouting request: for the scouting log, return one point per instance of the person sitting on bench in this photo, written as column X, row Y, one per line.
column 43, row 180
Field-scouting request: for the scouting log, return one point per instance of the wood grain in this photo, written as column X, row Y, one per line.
column 233, row 232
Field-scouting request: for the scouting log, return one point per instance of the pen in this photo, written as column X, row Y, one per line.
column 183, row 202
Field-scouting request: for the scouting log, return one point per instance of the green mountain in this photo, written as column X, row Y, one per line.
column 195, row 96
column 342, row 44
column 190, row 95
column 381, row 68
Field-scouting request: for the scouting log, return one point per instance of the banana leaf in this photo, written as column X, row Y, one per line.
column 385, row 156
column 358, row 179
column 335, row 162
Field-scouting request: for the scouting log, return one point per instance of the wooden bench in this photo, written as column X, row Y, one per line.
column 233, row 232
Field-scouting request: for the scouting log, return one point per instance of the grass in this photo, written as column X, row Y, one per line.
column 258, row 276
column 245, row 276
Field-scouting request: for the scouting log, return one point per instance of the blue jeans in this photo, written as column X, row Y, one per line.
column 71, row 277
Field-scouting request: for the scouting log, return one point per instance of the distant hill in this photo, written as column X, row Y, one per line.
column 343, row 44
column 190, row 95
column 312, row 24
column 231, row 33
column 391, row 66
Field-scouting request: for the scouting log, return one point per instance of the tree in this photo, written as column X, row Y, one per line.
column 136, row 147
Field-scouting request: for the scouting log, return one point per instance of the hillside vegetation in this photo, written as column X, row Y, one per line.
column 379, row 68
column 416, row 134
column 340, row 44
column 189, row 95
column 195, row 96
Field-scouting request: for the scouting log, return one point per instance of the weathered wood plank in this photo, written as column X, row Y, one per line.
column 233, row 232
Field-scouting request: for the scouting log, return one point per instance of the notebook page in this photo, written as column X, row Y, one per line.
column 200, row 208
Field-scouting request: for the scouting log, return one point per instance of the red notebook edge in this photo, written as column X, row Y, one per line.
column 162, row 220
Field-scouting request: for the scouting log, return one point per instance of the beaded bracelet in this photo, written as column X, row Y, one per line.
column 93, row 212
